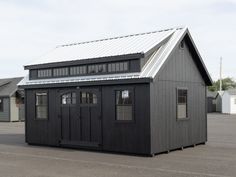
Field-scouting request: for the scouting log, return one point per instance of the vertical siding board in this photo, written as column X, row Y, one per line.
column 180, row 70
column 133, row 137
column 5, row 115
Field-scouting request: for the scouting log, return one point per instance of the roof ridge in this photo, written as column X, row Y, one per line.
column 118, row 37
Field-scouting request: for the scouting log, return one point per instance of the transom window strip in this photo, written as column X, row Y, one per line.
column 44, row 73
column 84, row 69
column 78, row 70
column 118, row 67
column 60, row 72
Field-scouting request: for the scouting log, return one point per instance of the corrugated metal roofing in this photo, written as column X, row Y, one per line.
column 124, row 45
column 9, row 86
column 132, row 44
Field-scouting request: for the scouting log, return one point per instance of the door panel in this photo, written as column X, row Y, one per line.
column 65, row 123
column 90, row 113
column 74, row 124
column 85, row 123
column 70, row 122
column 95, row 124
column 81, row 118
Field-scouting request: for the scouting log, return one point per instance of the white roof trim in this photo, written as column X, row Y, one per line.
column 159, row 58
column 26, row 80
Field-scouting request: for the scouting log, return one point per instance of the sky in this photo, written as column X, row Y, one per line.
column 29, row 29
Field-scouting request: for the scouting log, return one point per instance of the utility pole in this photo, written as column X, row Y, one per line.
column 220, row 73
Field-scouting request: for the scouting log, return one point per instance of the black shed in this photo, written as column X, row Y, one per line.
column 143, row 93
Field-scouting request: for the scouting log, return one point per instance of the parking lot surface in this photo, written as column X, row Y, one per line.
column 215, row 159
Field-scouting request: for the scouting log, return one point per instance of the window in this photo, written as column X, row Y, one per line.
column 60, row 72
column 41, row 105
column 124, row 107
column 88, row 98
column 235, row 101
column 78, row 70
column 181, row 45
column 1, row 105
column 68, row 98
column 182, row 103
column 101, row 68
column 44, row 73
column 83, row 70
column 118, row 67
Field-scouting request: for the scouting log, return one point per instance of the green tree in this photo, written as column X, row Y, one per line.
column 227, row 83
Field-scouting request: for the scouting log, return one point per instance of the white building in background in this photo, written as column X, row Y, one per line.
column 229, row 102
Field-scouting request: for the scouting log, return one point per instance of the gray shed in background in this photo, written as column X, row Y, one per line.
column 11, row 100
column 219, row 101
column 211, row 101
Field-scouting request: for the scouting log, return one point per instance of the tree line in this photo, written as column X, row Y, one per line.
column 227, row 83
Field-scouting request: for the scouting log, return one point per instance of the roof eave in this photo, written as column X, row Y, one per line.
column 90, row 83
column 208, row 79
column 86, row 61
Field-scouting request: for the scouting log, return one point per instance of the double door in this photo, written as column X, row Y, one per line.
column 80, row 113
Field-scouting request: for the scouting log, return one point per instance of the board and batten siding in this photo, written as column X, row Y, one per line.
column 5, row 115
column 168, row 133
column 14, row 110
column 129, row 137
column 42, row 132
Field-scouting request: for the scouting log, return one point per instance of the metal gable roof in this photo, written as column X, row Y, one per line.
column 124, row 45
column 9, row 86
column 139, row 43
column 211, row 94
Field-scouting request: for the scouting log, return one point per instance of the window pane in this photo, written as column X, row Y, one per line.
column 44, row 73
column 69, row 98
column 122, row 66
column 109, row 68
column 124, row 108
column 83, row 99
column 113, row 67
column 123, row 112
column 73, row 98
column 60, row 72
column 182, row 111
column 91, row 69
column 117, row 67
column 125, row 66
column 95, row 100
column 64, row 99
column 1, row 105
column 101, row 68
column 89, row 98
column 41, row 106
